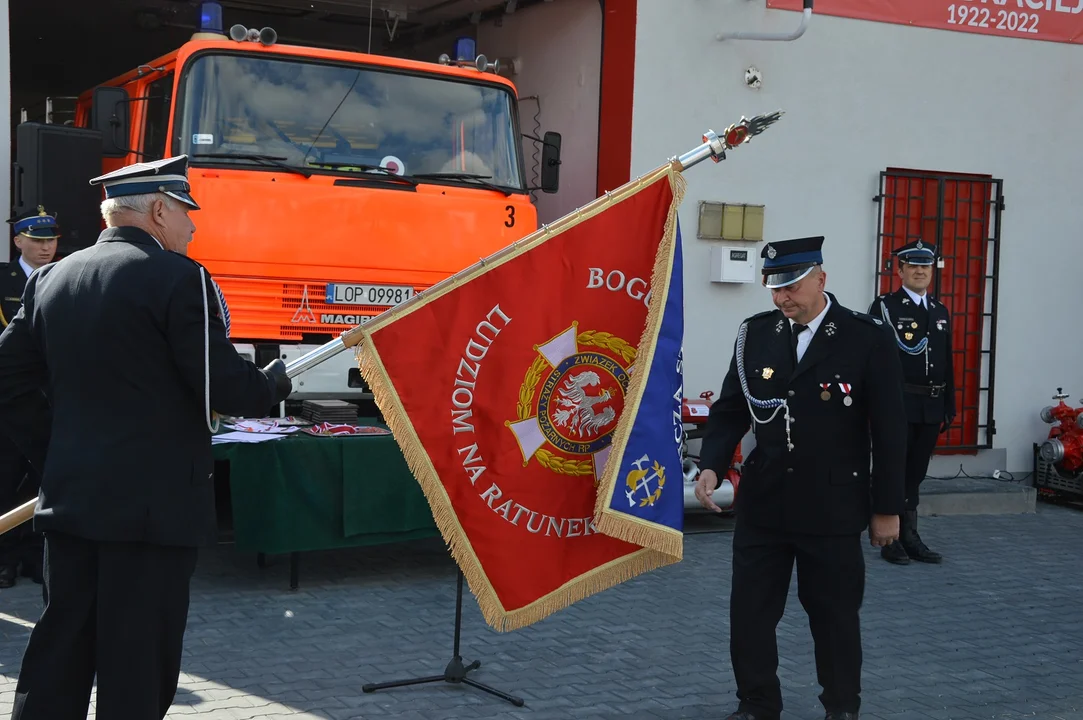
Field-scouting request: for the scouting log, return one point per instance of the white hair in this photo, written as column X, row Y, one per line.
column 138, row 204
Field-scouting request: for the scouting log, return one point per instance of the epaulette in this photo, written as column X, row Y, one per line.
column 192, row 260
column 759, row 315
column 866, row 318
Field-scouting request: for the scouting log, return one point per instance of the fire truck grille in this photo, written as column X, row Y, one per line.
column 287, row 311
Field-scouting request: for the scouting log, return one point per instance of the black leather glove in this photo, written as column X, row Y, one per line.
column 948, row 419
column 283, row 385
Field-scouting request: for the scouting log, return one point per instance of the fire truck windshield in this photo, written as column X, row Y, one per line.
column 340, row 119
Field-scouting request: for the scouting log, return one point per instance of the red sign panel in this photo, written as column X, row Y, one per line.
column 1051, row 20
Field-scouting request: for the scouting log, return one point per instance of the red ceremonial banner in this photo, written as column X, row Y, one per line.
column 504, row 388
column 1051, row 20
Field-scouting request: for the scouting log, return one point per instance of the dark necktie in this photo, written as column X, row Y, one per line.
column 796, row 330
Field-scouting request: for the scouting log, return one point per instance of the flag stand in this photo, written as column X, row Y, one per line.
column 455, row 672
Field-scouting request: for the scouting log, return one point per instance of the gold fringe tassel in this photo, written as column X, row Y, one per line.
column 620, row 525
column 602, row 578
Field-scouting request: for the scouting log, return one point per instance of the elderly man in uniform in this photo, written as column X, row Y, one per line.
column 816, row 381
column 36, row 234
column 922, row 329
column 129, row 340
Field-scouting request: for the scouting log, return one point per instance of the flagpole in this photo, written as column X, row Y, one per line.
column 16, row 517
column 714, row 147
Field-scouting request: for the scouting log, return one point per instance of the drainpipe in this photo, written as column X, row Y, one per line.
column 806, row 16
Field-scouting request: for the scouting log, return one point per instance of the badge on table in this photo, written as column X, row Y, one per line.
column 825, row 395
column 767, row 373
column 846, row 400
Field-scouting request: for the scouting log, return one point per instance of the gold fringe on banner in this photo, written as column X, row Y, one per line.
column 387, row 399
column 622, row 526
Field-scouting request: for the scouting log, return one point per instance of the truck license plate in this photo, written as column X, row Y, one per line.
column 354, row 294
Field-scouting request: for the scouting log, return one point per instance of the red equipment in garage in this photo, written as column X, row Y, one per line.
column 695, row 413
column 1060, row 457
column 1064, row 448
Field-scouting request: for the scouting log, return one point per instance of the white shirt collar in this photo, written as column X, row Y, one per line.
column 815, row 322
column 919, row 299
column 25, row 266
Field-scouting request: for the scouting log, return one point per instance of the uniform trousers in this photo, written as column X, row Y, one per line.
column 920, row 443
column 19, row 483
column 831, row 588
column 117, row 610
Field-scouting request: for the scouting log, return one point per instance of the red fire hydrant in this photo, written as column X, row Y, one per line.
column 1064, row 446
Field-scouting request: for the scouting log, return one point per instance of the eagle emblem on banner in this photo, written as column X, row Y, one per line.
column 570, row 399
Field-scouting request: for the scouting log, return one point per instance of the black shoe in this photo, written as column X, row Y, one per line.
column 911, row 541
column 7, row 576
column 840, row 716
column 895, row 553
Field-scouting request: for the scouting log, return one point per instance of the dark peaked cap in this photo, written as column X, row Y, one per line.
column 787, row 261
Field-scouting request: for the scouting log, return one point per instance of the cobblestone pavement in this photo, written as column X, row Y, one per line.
column 994, row 632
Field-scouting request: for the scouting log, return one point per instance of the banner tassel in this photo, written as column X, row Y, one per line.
column 624, row 527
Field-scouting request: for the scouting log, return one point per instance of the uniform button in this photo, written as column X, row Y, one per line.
column 790, row 393
column 789, row 470
column 855, row 473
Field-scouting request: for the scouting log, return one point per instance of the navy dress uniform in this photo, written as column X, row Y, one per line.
column 812, row 481
column 922, row 328
column 131, row 348
column 19, row 480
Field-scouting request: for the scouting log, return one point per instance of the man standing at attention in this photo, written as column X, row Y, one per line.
column 128, row 341
column 816, row 382
column 36, row 236
column 922, row 328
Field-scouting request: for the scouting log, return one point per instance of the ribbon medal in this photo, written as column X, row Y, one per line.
column 825, row 395
column 846, row 400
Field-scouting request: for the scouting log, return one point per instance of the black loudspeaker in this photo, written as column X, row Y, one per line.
column 54, row 166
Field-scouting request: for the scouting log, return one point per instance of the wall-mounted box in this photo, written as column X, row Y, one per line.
column 733, row 264
column 728, row 221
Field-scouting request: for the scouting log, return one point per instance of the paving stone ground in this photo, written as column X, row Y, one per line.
column 996, row 632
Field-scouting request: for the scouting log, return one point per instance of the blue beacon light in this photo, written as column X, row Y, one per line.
column 465, row 49
column 210, row 17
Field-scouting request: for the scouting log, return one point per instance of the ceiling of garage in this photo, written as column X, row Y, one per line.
column 62, row 48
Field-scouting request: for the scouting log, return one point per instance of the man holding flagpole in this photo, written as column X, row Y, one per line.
column 816, row 381
column 129, row 345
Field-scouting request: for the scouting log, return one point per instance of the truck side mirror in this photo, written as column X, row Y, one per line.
column 110, row 116
column 550, row 163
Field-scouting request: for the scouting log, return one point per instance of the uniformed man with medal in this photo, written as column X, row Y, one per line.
column 820, row 386
column 922, row 328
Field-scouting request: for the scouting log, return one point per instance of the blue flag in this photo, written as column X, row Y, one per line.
column 641, row 493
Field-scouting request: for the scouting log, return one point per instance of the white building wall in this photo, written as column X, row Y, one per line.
column 860, row 97
column 5, row 126
column 558, row 49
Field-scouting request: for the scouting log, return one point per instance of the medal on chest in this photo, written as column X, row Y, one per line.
column 826, row 394
column 846, row 399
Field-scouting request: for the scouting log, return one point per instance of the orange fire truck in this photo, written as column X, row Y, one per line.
column 333, row 184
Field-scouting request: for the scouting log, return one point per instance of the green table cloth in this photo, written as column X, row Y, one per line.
column 317, row 493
